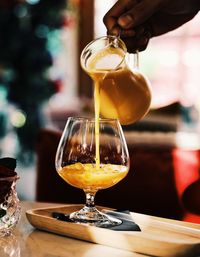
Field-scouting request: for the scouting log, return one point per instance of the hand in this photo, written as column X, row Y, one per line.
column 138, row 20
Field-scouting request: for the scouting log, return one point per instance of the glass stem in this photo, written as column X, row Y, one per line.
column 90, row 199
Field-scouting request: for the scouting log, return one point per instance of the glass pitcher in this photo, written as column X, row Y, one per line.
column 124, row 93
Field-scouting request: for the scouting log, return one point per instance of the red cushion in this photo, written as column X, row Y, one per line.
column 191, row 197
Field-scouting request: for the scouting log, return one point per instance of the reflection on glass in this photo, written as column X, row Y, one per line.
column 9, row 205
column 9, row 246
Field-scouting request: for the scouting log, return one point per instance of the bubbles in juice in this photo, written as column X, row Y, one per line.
column 89, row 177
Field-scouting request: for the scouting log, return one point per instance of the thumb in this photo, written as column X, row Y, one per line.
column 139, row 13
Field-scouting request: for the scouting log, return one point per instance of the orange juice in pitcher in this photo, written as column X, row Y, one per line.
column 121, row 92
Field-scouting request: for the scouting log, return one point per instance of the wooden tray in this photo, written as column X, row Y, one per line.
column 159, row 237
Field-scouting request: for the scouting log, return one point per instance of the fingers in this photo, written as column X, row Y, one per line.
column 139, row 40
column 138, row 14
column 158, row 24
column 127, row 17
column 133, row 46
column 127, row 33
column 126, row 14
column 111, row 18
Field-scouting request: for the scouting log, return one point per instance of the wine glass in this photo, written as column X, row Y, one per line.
column 92, row 161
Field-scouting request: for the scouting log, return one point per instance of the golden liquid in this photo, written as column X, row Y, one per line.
column 123, row 94
column 97, row 129
column 88, row 177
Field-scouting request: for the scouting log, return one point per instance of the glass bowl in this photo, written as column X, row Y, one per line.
column 10, row 209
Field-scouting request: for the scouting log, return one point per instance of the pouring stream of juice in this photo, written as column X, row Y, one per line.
column 98, row 67
column 121, row 92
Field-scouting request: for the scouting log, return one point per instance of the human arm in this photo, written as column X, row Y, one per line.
column 139, row 20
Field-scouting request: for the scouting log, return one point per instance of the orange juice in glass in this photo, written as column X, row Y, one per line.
column 76, row 163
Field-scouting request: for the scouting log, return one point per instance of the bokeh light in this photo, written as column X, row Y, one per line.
column 32, row 1
column 18, row 118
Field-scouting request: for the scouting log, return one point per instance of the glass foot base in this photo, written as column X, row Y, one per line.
column 90, row 215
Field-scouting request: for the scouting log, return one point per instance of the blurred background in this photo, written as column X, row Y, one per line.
column 41, row 82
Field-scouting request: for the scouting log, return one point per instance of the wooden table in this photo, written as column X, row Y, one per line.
column 27, row 241
column 30, row 242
